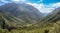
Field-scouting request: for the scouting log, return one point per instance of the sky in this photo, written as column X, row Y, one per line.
column 44, row 6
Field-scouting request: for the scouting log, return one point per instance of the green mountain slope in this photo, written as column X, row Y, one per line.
column 23, row 18
column 15, row 15
column 52, row 17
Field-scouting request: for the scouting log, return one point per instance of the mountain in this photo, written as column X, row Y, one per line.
column 45, row 14
column 52, row 17
column 18, row 15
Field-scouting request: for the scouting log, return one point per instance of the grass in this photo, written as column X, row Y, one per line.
column 54, row 28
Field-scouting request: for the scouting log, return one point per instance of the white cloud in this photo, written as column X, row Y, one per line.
column 15, row 0
column 41, row 7
column 18, row 0
column 45, row 8
column 23, row 0
column 56, row 5
column 4, row 1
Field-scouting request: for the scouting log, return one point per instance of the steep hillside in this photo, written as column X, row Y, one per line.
column 24, row 18
column 19, row 15
column 52, row 17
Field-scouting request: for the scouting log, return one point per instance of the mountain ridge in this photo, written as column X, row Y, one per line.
column 19, row 15
column 53, row 16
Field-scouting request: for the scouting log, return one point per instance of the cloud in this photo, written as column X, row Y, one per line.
column 56, row 5
column 4, row 1
column 18, row 0
column 15, row 0
column 7, row 1
column 45, row 8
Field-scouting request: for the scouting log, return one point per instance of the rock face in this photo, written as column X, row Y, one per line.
column 18, row 15
column 53, row 16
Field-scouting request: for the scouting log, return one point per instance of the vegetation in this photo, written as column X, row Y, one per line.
column 24, row 21
column 47, row 28
column 41, row 27
column 44, row 26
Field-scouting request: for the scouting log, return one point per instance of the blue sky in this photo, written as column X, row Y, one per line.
column 44, row 6
column 44, row 1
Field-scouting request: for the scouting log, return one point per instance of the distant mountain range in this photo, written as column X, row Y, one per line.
column 45, row 14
